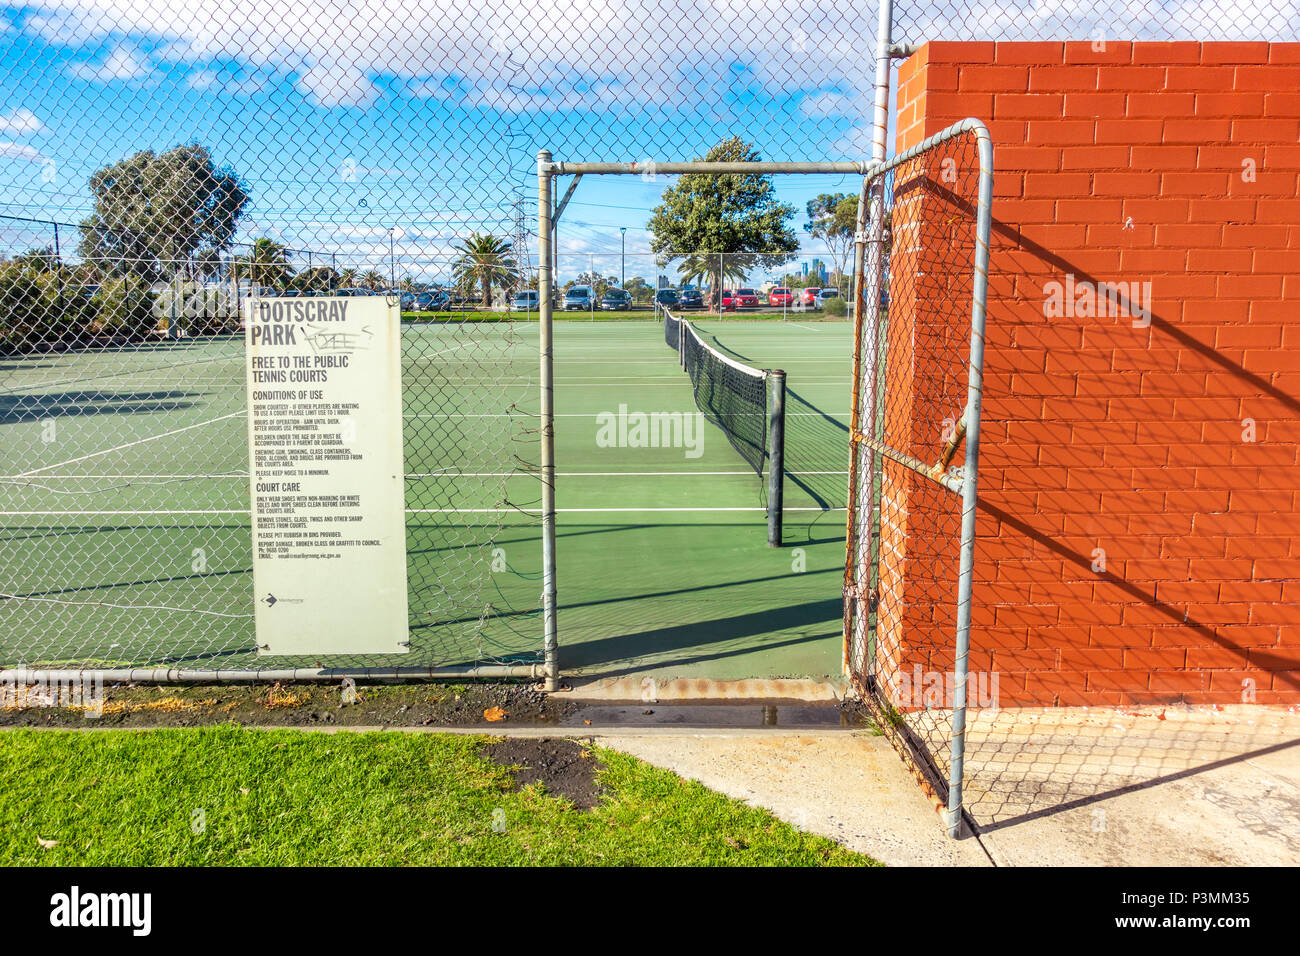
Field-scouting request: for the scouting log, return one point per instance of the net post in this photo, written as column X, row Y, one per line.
column 776, row 456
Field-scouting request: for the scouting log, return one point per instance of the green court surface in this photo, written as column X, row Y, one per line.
column 124, row 529
column 663, row 565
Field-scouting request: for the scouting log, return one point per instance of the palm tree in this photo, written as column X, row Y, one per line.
column 267, row 264
column 487, row 260
column 717, row 267
column 373, row 280
column 347, row 278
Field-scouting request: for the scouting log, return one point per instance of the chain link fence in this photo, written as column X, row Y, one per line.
column 904, row 603
column 161, row 163
column 917, row 382
column 1110, row 20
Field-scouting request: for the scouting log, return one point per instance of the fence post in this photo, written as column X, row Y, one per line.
column 550, row 642
column 970, row 479
column 776, row 453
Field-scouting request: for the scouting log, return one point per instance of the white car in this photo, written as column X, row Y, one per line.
column 824, row 294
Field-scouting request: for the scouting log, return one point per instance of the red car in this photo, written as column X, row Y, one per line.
column 728, row 300
column 780, row 297
column 808, row 296
column 746, row 299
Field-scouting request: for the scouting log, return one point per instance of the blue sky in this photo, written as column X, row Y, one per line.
column 348, row 118
column 344, row 131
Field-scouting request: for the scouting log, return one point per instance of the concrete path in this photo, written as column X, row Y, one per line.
column 1150, row 786
column 1155, row 786
column 850, row 787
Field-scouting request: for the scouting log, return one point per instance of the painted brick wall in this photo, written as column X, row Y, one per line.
column 1177, row 165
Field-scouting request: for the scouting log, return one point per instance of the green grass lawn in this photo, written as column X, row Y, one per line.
column 301, row 798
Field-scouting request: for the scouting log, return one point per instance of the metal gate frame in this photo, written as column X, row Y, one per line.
column 548, row 217
column 861, row 523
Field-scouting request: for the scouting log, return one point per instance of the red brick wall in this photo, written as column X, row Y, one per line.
column 1176, row 164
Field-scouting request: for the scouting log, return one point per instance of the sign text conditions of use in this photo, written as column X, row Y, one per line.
column 325, row 466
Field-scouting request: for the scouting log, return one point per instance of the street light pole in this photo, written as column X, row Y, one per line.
column 392, row 261
column 623, row 270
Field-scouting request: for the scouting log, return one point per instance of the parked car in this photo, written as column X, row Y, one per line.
column 526, row 300
column 580, row 298
column 824, row 294
column 728, row 300
column 431, row 300
column 666, row 297
column 406, row 300
column 616, row 300
column 780, row 296
column 746, row 299
column 808, row 296
column 690, row 299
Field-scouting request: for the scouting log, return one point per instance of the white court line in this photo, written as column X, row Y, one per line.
column 243, row 476
column 133, row 371
column 593, row 510
column 463, row 345
column 65, row 514
column 409, row 511
column 139, row 441
column 588, row 414
column 674, row 380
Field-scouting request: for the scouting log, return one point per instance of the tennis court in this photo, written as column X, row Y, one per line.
column 124, row 528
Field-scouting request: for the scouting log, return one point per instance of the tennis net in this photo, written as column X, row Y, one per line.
column 672, row 331
column 732, row 396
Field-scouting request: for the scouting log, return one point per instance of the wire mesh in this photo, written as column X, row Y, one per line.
column 1109, row 20
column 161, row 162
column 911, row 392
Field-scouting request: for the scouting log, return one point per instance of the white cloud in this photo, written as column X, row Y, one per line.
column 206, row 81
column 122, row 64
column 19, row 122
column 548, row 55
column 513, row 55
column 334, row 84
column 11, row 150
column 822, row 104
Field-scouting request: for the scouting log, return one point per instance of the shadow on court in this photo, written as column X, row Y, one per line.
column 700, row 641
column 15, row 409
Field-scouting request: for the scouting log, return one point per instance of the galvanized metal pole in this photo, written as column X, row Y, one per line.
column 776, row 459
column 182, row 675
column 550, row 641
column 867, row 284
column 974, row 399
column 884, row 41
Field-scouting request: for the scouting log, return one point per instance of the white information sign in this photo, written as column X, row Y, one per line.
column 325, row 463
